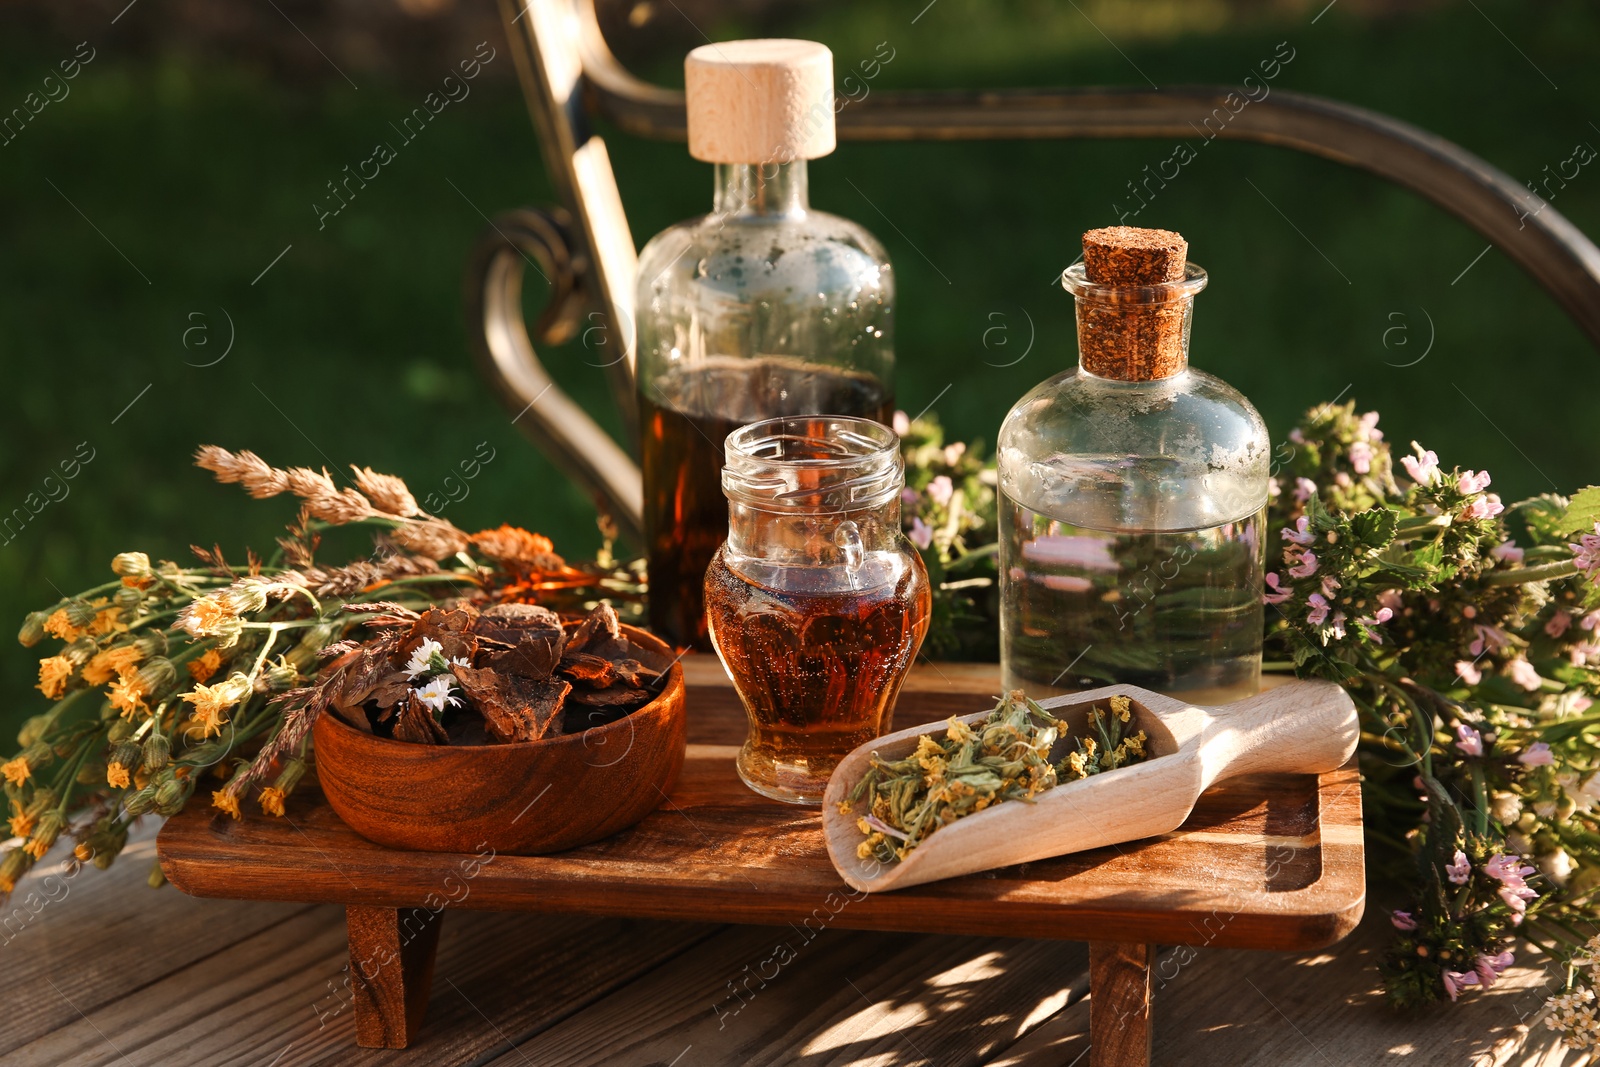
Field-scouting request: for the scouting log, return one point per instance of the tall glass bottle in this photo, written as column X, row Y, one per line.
column 764, row 308
column 1133, row 496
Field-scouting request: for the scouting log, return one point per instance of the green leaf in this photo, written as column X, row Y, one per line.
column 1320, row 517
column 1583, row 512
column 1374, row 527
column 1537, row 520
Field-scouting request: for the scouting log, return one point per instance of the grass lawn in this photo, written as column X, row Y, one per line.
column 149, row 202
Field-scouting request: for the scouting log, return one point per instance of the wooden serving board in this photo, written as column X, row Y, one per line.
column 1265, row 862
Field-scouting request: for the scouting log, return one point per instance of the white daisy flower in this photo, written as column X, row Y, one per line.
column 438, row 694
column 421, row 661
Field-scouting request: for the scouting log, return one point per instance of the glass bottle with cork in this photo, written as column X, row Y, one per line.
column 763, row 308
column 1133, row 494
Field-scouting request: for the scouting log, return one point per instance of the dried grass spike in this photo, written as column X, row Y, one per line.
column 260, row 478
column 388, row 493
column 307, row 483
column 341, row 507
column 433, row 538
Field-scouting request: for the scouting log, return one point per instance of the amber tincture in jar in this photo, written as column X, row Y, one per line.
column 763, row 308
column 1132, row 496
column 816, row 603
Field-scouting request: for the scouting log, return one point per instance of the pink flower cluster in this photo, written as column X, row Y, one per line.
column 1586, row 554
column 1485, row 970
column 1514, row 889
column 1422, row 467
column 1469, row 742
column 1481, row 505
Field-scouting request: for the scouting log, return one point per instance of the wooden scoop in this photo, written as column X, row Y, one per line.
column 1302, row 727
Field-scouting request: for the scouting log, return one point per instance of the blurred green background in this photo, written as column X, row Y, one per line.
column 190, row 150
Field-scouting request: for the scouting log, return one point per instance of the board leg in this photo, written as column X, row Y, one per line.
column 1119, row 1003
column 391, row 971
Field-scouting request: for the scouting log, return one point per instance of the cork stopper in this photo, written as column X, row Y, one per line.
column 1135, row 294
column 765, row 101
column 1127, row 255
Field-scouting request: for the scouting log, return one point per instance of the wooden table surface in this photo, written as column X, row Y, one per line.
column 99, row 969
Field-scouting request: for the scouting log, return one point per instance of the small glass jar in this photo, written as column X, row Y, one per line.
column 817, row 604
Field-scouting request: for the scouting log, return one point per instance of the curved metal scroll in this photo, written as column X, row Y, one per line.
column 568, row 74
column 541, row 410
column 1518, row 222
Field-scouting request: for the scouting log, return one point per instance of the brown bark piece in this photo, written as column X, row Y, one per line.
column 452, row 629
column 535, row 654
column 391, row 689
column 602, row 624
column 586, row 670
column 505, row 622
column 613, row 696
column 515, row 708
column 415, row 723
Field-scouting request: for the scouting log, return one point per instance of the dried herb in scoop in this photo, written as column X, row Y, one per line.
column 1004, row 757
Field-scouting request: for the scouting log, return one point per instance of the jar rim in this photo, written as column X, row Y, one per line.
column 813, row 462
column 1075, row 280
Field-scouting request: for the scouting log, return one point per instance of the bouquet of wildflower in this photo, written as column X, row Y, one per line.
column 948, row 511
column 1465, row 631
column 168, row 674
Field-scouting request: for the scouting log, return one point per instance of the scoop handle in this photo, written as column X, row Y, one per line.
column 1300, row 727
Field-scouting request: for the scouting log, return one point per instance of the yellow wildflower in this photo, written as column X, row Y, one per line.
column 57, row 625
column 22, row 824
column 16, row 771
column 1119, row 705
column 212, row 701
column 105, row 618
column 208, row 616
column 117, row 776
column 223, row 800
column 204, row 667
column 127, row 694
column 272, row 801
column 53, row 675
column 113, row 661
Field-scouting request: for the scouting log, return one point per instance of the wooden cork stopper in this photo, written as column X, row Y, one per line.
column 1127, row 255
column 768, row 101
column 1128, row 336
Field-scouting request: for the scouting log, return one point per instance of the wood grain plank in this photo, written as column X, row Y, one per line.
column 72, row 942
column 1119, row 1003
column 1229, row 1008
column 279, row 997
column 1279, row 855
column 765, row 996
column 391, row 967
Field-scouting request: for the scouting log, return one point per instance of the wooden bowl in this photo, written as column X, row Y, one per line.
column 522, row 799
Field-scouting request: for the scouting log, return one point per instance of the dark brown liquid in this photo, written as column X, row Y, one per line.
column 684, row 420
column 818, row 673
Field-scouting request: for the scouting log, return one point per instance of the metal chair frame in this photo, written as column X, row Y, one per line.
column 586, row 252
